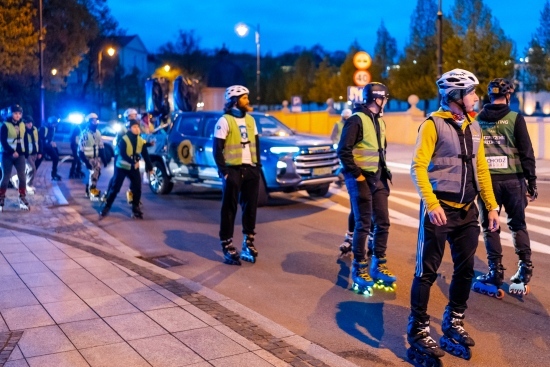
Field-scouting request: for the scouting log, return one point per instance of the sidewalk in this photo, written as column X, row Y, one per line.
column 67, row 301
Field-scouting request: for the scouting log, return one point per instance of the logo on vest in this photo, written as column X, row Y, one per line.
column 502, row 122
column 494, row 140
column 496, row 162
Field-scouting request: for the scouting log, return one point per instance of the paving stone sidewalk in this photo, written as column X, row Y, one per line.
column 66, row 301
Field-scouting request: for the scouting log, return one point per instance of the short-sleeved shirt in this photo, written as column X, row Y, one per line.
column 222, row 130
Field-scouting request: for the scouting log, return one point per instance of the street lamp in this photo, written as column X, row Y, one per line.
column 110, row 51
column 242, row 30
column 54, row 72
column 167, row 68
column 41, row 65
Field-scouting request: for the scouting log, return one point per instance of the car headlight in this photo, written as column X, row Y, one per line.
column 281, row 150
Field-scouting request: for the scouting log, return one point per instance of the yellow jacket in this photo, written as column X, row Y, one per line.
column 423, row 152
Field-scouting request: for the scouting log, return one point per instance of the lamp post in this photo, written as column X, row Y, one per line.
column 41, row 65
column 110, row 51
column 439, row 41
column 242, row 30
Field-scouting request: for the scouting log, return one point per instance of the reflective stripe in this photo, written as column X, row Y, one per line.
column 120, row 162
column 366, row 153
column 35, row 137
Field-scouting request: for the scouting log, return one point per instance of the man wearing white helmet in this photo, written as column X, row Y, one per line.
column 449, row 170
column 237, row 155
column 92, row 153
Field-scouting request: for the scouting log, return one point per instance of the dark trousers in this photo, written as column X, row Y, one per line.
column 240, row 187
column 512, row 195
column 118, row 179
column 369, row 205
column 462, row 232
column 8, row 162
column 76, row 164
column 54, row 156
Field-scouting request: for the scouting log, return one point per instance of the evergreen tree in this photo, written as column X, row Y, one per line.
column 302, row 77
column 416, row 72
column 385, row 52
column 321, row 89
column 543, row 32
column 344, row 78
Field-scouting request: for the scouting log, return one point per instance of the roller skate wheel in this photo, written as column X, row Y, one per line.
column 500, row 294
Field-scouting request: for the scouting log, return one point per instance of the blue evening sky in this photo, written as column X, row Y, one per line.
column 285, row 24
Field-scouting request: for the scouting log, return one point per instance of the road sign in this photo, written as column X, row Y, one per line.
column 296, row 104
column 362, row 60
column 361, row 78
column 355, row 94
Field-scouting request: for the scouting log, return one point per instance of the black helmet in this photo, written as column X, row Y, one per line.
column 375, row 90
column 15, row 108
column 500, row 87
column 28, row 118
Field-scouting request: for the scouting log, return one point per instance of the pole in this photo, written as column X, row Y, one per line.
column 258, row 65
column 100, row 96
column 41, row 67
column 523, row 86
column 439, row 41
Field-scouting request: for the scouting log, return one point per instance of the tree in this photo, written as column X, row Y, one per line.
column 543, row 31
column 479, row 44
column 385, row 51
column 321, row 89
column 535, row 72
column 416, row 70
column 344, row 78
column 185, row 52
column 302, row 77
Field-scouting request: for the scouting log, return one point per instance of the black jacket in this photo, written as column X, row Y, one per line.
column 495, row 112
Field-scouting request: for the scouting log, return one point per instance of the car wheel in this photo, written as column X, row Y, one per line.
column 159, row 182
column 318, row 191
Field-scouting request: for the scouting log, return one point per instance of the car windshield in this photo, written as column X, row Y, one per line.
column 270, row 126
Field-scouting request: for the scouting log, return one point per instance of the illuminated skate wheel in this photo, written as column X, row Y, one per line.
column 387, row 287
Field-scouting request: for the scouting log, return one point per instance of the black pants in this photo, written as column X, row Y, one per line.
column 54, row 156
column 8, row 162
column 241, row 186
column 512, row 195
column 118, row 179
column 76, row 164
column 462, row 232
column 369, row 205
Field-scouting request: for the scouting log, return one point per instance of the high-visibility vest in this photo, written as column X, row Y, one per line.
column 233, row 150
column 366, row 154
column 120, row 162
column 339, row 127
column 92, row 142
column 34, row 140
column 500, row 145
column 15, row 137
column 447, row 167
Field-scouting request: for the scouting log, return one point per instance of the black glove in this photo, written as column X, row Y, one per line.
column 532, row 189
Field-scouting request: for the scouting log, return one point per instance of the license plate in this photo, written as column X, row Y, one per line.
column 322, row 171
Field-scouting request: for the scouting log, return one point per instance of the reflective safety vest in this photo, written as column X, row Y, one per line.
column 340, row 127
column 447, row 166
column 15, row 137
column 34, row 133
column 500, row 145
column 233, row 150
column 90, row 143
column 366, row 153
column 120, row 162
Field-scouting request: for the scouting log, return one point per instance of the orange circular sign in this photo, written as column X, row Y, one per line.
column 361, row 78
column 362, row 60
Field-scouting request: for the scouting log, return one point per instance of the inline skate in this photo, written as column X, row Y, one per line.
column 94, row 194
column 136, row 212
column 362, row 282
column 345, row 247
column 423, row 350
column 104, row 210
column 455, row 339
column 249, row 252
column 129, row 197
column 521, row 278
column 230, row 254
column 383, row 278
column 2, row 204
column 23, row 203
column 489, row 284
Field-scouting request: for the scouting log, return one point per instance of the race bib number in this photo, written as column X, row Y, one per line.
column 497, row 162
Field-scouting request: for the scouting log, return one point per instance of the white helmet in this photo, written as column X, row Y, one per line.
column 235, row 91
column 346, row 113
column 456, row 79
column 128, row 112
column 91, row 116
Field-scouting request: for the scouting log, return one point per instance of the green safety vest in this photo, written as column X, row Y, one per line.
column 339, row 126
column 35, row 137
column 500, row 145
column 91, row 149
column 233, row 150
column 366, row 153
column 120, row 162
column 14, row 137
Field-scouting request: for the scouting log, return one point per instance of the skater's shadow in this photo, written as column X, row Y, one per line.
column 200, row 244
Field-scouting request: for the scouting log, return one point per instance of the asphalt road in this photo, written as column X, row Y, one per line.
column 299, row 281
